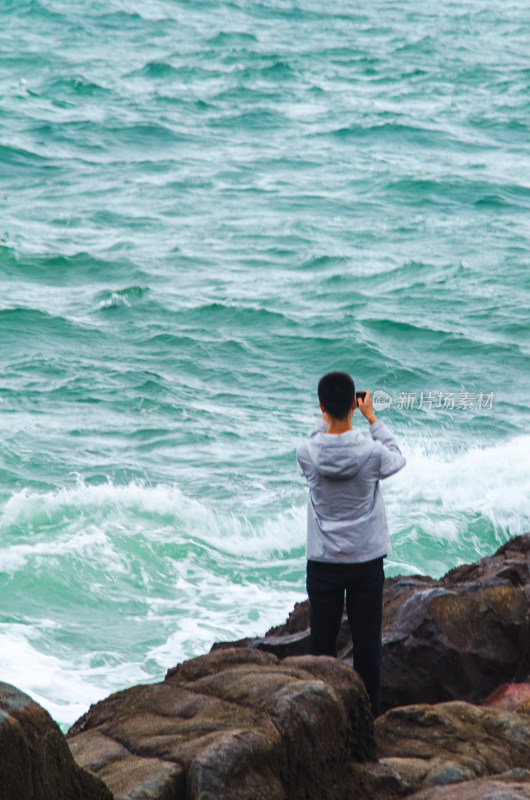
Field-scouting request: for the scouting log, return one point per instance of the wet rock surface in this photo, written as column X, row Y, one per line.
column 35, row 762
column 449, row 750
column 482, row 741
column 232, row 724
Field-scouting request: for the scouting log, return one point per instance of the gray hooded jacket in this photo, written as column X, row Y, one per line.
column 346, row 519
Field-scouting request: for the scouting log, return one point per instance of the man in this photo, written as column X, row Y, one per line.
column 347, row 531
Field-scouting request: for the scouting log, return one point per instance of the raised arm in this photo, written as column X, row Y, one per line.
column 392, row 459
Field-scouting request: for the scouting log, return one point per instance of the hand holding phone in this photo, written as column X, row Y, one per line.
column 364, row 401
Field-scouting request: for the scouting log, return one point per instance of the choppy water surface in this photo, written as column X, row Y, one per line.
column 203, row 207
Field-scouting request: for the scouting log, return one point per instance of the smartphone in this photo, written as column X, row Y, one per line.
column 360, row 396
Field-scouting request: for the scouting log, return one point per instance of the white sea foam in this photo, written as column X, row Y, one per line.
column 114, row 301
column 65, row 688
column 162, row 510
column 490, row 481
column 144, row 570
column 88, row 541
column 230, row 612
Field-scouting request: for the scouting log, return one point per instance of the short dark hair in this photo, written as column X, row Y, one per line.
column 336, row 392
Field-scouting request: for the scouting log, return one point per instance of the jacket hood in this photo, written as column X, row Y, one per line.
column 338, row 457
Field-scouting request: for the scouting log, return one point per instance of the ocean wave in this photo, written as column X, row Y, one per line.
column 250, row 119
column 128, row 580
column 392, row 130
column 447, row 191
column 161, row 512
column 236, row 314
column 63, row 270
column 121, row 297
column 20, row 156
column 31, row 323
column 453, row 504
column 224, row 38
column 490, row 480
column 76, row 85
column 124, row 19
column 64, row 686
column 157, row 70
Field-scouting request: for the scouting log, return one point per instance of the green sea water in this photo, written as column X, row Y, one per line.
column 204, row 206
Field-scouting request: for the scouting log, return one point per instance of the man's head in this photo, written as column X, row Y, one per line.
column 336, row 393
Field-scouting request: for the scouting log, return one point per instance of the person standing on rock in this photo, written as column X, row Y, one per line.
column 347, row 531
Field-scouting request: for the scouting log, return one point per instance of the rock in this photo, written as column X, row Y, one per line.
column 455, row 638
column 297, row 621
column 454, row 641
column 35, row 762
column 511, row 696
column 236, row 724
column 282, row 646
column 503, row 787
column 393, row 778
column 481, row 741
column 450, row 750
column 461, row 636
column 125, row 774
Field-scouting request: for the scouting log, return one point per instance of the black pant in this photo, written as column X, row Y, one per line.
column 363, row 584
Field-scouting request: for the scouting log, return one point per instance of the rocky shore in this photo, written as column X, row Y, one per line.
column 456, row 638
column 259, row 719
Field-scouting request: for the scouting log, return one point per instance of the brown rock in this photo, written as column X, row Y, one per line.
column 392, row 778
column 484, row 741
column 511, row 696
column 235, row 724
column 460, row 636
column 454, row 642
column 450, row 750
column 503, row 787
column 297, row 621
column 35, row 762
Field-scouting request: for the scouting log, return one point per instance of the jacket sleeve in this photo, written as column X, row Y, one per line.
column 392, row 459
column 302, row 456
column 299, row 461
